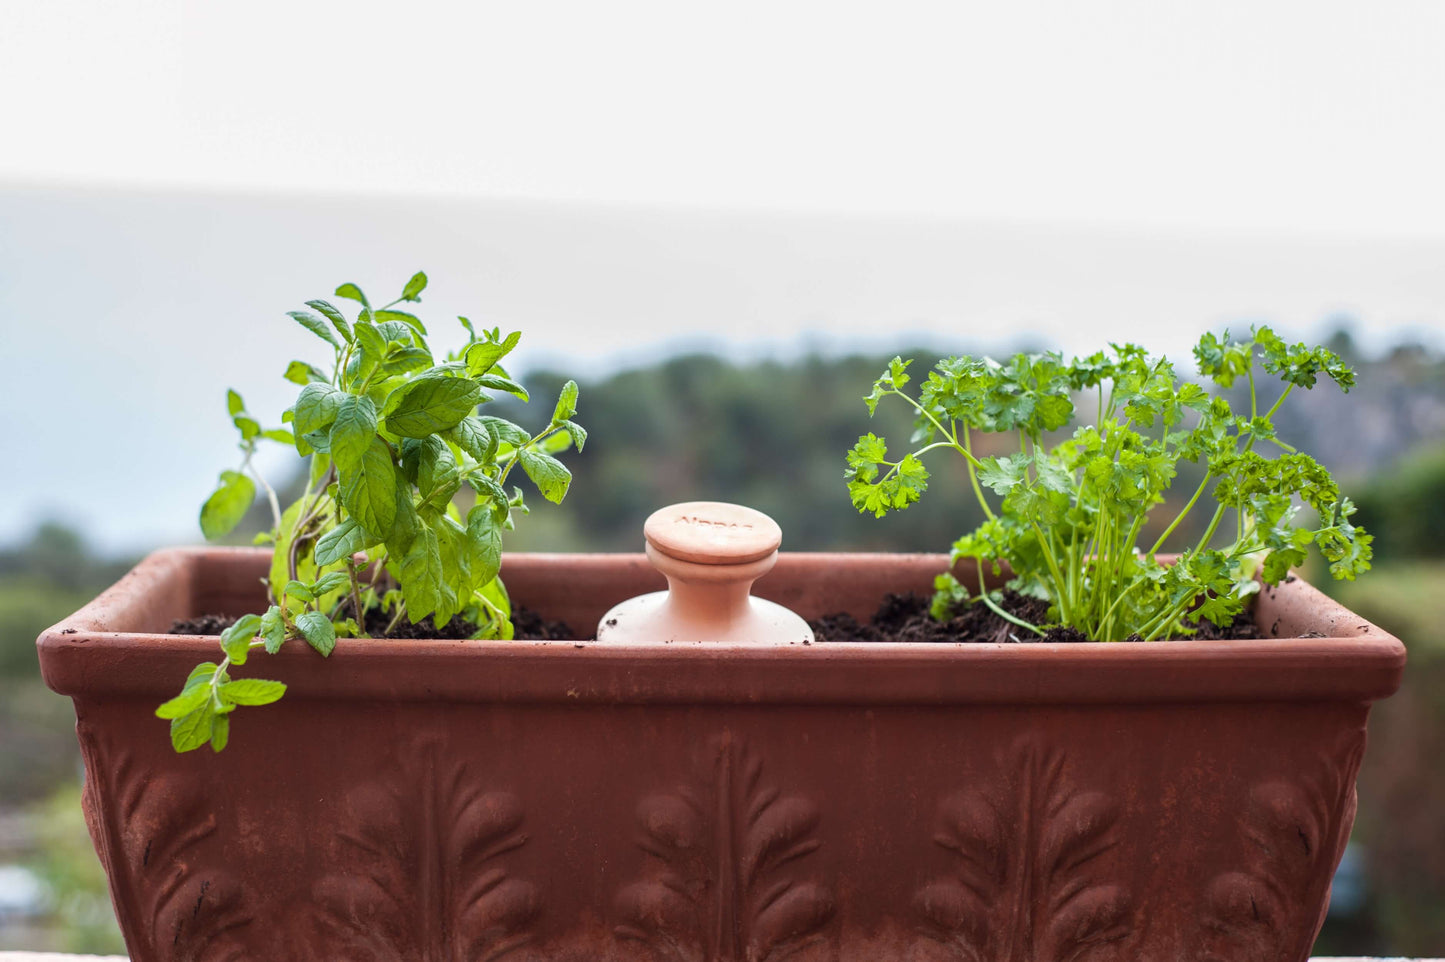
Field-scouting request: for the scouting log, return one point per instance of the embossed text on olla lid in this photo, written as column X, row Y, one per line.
column 712, row 533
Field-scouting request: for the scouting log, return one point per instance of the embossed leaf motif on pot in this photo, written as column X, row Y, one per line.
column 157, row 838
column 1027, row 883
column 1295, row 832
column 426, row 881
column 727, row 876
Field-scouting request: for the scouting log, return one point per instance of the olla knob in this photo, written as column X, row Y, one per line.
column 711, row 553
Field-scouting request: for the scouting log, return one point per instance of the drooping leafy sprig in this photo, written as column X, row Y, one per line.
column 405, row 478
column 1071, row 510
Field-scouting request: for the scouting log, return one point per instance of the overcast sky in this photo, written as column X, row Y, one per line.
column 1284, row 115
column 619, row 178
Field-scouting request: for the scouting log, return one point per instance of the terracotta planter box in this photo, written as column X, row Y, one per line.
column 465, row 801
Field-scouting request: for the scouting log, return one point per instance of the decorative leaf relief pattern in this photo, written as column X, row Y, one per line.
column 426, row 882
column 726, row 880
column 156, row 835
column 1270, row 907
column 1026, row 883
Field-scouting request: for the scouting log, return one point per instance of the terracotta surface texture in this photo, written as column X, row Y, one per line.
column 566, row 801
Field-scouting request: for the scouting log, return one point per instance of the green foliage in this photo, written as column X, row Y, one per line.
column 1071, row 508
column 395, row 443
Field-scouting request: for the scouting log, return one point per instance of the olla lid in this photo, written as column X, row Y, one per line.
column 712, row 533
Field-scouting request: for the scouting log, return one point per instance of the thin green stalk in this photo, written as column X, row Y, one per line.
column 972, row 473
column 1182, row 515
column 989, row 602
column 1064, row 610
column 1106, row 623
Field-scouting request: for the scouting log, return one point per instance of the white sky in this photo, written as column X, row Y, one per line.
column 1318, row 116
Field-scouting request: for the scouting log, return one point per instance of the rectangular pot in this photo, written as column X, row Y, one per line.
column 455, row 801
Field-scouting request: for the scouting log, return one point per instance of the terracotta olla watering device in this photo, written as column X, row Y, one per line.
column 711, row 553
column 734, row 796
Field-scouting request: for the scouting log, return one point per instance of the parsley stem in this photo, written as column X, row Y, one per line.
column 1060, row 591
column 988, row 601
column 1182, row 514
column 973, row 472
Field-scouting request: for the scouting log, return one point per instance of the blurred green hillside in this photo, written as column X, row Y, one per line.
column 773, row 435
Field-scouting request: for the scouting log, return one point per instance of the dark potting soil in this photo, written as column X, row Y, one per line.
column 906, row 618
column 528, row 624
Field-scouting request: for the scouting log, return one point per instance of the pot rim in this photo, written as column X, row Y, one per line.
column 1356, row 661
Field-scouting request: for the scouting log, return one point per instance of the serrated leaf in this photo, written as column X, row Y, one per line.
column 193, row 729
column 316, row 326
column 220, row 733
column 298, row 590
column 371, row 341
column 329, row 582
column 252, row 691
column 566, row 403
column 498, row 383
column 234, row 404
column 273, row 629
column 549, row 475
column 353, row 293
column 248, row 426
column 227, row 505
column 484, row 545
column 481, row 356
column 337, row 319
column 431, row 403
column 421, row 575
column 411, row 321
column 505, row 430
column 316, row 408
column 186, row 702
column 317, row 629
column 236, row 639
column 368, row 491
column 473, row 437
column 343, row 541
column 414, row 287
column 299, row 372
column 577, row 432
column 352, row 432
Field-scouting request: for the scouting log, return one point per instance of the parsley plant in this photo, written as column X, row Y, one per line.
column 1072, row 509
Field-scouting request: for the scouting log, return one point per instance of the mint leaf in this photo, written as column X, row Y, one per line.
column 473, row 437
column 193, row 729
column 316, row 326
column 252, row 691
column 566, row 403
column 414, row 287
column 316, row 408
column 337, row 319
column 484, row 545
column 185, row 703
column 352, row 432
column 353, row 293
column 431, row 403
column 236, row 640
column 343, row 541
column 273, row 629
column 549, row 475
column 368, row 491
column 481, row 356
column 316, row 628
column 227, row 505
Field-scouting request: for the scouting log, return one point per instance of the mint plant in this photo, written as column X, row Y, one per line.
column 1072, row 506
column 405, row 478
